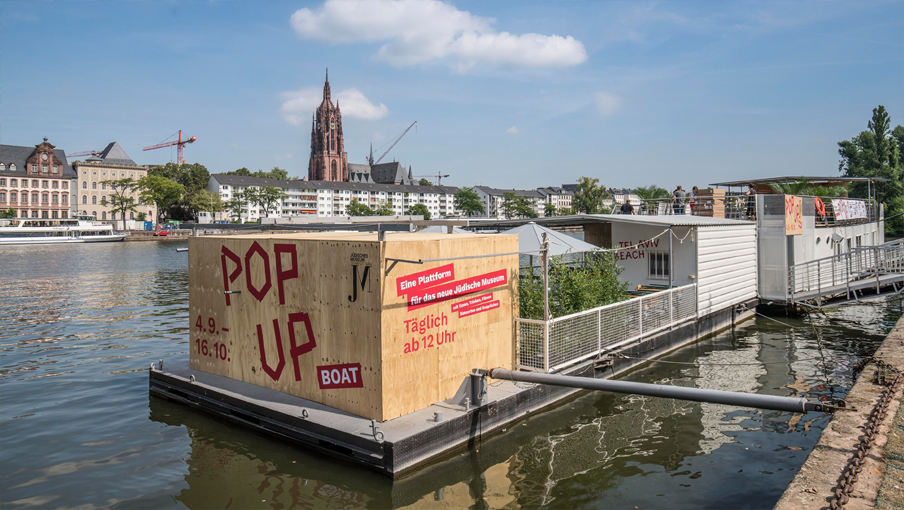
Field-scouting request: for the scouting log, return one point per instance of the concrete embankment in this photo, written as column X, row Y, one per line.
column 880, row 484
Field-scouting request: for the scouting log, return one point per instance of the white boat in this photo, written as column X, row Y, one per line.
column 82, row 229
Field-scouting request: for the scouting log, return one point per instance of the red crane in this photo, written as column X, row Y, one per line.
column 396, row 141
column 83, row 153
column 439, row 177
column 179, row 145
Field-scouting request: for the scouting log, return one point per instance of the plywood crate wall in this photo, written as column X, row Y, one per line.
column 710, row 202
column 319, row 317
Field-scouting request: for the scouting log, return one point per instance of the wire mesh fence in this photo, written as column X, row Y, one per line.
column 550, row 346
column 831, row 272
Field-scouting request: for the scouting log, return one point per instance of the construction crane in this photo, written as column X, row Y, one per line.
column 395, row 142
column 439, row 177
column 179, row 145
column 84, row 153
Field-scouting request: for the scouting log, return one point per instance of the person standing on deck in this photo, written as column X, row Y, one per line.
column 627, row 208
column 751, row 202
column 678, row 197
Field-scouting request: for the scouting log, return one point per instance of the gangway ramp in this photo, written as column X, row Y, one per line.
column 861, row 273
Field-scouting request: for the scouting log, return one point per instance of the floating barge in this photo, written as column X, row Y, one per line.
column 375, row 348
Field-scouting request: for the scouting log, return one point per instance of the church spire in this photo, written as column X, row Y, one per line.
column 326, row 85
column 371, row 158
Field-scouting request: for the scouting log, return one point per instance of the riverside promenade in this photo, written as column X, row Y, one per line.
column 880, row 482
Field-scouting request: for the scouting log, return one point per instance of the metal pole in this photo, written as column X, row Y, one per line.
column 755, row 400
column 544, row 262
column 670, row 257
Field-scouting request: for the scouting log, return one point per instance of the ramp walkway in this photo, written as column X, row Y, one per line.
column 862, row 273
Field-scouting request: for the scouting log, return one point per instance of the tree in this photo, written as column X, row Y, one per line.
column 193, row 177
column 805, row 188
column 241, row 171
column 424, row 182
column 206, row 201
column 160, row 191
column 514, row 206
column 652, row 192
column 549, row 210
column 384, row 210
column 266, row 198
column 141, row 216
column 9, row 213
column 877, row 152
column 119, row 201
column 274, row 173
column 588, row 198
column 573, row 288
column 356, row 208
column 468, row 202
column 236, row 206
column 419, row 210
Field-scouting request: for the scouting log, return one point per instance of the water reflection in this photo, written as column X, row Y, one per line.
column 79, row 327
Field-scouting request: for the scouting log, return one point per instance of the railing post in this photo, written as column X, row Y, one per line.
column 599, row 331
column 818, row 279
column 793, row 281
column 671, row 308
column 640, row 316
column 546, row 346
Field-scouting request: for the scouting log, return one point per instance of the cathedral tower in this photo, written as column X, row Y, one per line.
column 329, row 161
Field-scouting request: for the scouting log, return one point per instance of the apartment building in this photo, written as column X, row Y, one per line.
column 331, row 198
column 493, row 199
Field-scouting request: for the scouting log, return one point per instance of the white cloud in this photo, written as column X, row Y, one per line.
column 606, row 102
column 420, row 31
column 299, row 105
column 513, row 130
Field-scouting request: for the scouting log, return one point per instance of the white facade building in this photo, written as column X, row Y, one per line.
column 328, row 199
column 493, row 198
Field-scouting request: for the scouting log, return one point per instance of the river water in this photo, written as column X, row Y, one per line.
column 80, row 324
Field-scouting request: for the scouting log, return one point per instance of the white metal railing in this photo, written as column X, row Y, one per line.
column 830, row 273
column 549, row 346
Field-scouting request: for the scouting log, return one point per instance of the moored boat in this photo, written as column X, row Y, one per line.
column 53, row 231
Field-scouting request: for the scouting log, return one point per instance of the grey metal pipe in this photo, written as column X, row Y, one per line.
column 789, row 404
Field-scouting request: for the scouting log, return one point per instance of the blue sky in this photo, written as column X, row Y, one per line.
column 506, row 94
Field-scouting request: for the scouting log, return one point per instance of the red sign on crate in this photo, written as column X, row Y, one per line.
column 417, row 281
column 333, row 377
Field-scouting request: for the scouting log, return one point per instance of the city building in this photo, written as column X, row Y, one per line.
column 94, row 193
column 559, row 197
column 36, row 182
column 328, row 161
column 329, row 199
column 493, row 198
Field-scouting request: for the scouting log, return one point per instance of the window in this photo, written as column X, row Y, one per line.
column 44, row 214
column 65, row 199
column 94, row 213
column 2, row 167
column 93, row 185
column 44, row 168
column 131, row 216
column 34, row 198
column 12, row 168
column 103, row 185
column 24, row 214
column 56, row 169
column 45, row 184
column 103, row 200
column 12, row 197
column 34, row 214
column 94, row 200
column 53, row 199
column 659, row 265
column 64, row 214
column 13, row 182
column 84, row 184
column 54, row 216
column 55, row 184
column 65, row 185
column 103, row 215
column 85, row 199
column 2, row 196
column 34, row 168
column 44, row 198
column 34, row 184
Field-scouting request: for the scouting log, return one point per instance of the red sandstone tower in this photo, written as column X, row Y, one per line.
column 329, row 161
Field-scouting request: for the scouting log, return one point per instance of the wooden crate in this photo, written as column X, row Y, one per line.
column 710, row 202
column 325, row 316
